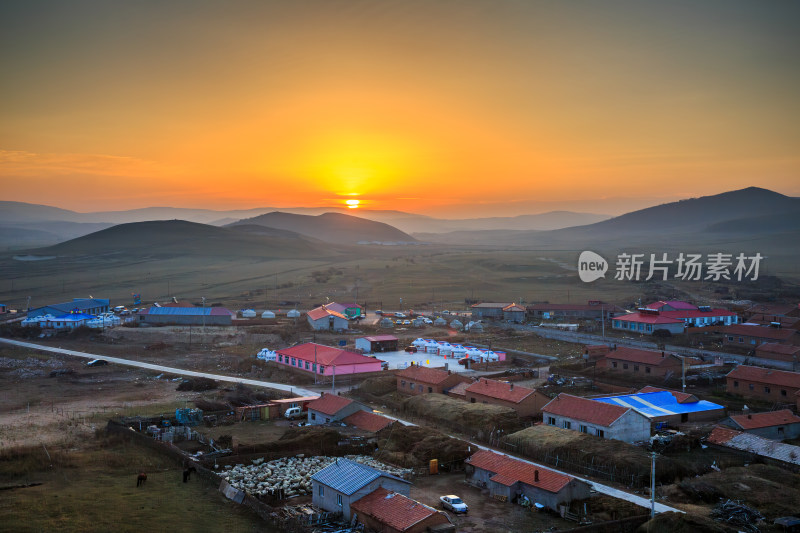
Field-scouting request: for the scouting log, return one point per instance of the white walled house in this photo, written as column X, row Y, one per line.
column 596, row 418
column 324, row 319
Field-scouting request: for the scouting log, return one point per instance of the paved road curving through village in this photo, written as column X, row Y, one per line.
column 603, row 489
column 166, row 369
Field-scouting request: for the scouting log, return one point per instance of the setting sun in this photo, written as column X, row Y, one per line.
column 352, row 204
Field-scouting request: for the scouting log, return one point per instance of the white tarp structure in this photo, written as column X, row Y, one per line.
column 445, row 348
column 248, row 313
column 440, row 322
column 386, row 323
column 294, row 313
column 419, row 343
column 267, row 314
column 456, row 324
column 266, row 355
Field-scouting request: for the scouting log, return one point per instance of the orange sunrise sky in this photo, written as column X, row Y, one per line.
column 438, row 107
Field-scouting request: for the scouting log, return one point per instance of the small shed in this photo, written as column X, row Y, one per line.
column 377, row 343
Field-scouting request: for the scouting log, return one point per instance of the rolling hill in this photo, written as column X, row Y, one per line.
column 330, row 227
column 179, row 238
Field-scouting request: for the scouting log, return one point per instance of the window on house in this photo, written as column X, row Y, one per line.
column 327, row 420
column 567, row 424
column 430, row 389
column 741, row 339
column 730, row 338
column 294, row 361
column 472, row 400
column 783, row 392
column 601, row 433
column 625, row 366
column 321, row 490
column 735, row 384
column 750, row 386
column 339, row 500
column 280, row 358
column 635, row 368
column 647, row 370
column 313, row 416
column 321, row 369
column 614, row 364
column 766, row 390
column 411, row 386
column 551, row 421
column 403, row 383
column 583, row 429
column 308, row 365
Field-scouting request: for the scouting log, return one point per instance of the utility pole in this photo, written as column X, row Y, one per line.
column 204, row 318
column 653, row 486
column 315, row 364
column 683, row 374
column 333, row 381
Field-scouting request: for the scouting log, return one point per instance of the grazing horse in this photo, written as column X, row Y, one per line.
column 187, row 471
column 141, row 479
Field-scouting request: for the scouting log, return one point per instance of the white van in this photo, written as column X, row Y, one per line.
column 293, row 413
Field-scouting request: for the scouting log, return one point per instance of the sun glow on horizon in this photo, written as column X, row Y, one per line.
column 352, row 204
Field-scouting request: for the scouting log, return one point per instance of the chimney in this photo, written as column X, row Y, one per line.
column 536, row 476
column 510, row 386
column 749, row 417
column 449, row 371
column 662, row 354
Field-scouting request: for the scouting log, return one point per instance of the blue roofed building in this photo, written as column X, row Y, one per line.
column 186, row 316
column 89, row 306
column 344, row 482
column 664, row 405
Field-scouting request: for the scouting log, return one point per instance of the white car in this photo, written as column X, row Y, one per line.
column 453, row 503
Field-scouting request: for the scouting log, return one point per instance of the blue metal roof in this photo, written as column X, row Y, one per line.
column 347, row 476
column 181, row 311
column 656, row 404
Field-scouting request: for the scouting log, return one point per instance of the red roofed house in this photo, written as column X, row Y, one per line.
column 422, row 380
column 525, row 401
column 646, row 321
column 596, row 418
column 366, row 421
column 763, row 383
column 746, row 335
column 509, row 477
column 326, row 360
column 778, row 352
column 645, row 363
column 332, row 408
column 390, row 512
column 323, row 319
column 775, row 425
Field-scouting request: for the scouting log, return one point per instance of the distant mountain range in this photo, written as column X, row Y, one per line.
column 738, row 214
column 29, row 225
column 752, row 214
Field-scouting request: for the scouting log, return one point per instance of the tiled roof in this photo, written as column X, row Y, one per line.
column 648, row 319
column 771, row 309
column 424, row 374
column 341, row 308
column 459, row 390
column 326, row 355
column 322, row 312
column 347, row 476
column 367, row 421
column 785, row 349
column 602, row 414
column 514, row 307
column 647, row 357
column 329, row 404
column 750, row 443
column 508, row 471
column 392, row 509
column 765, row 420
column 763, row 332
column 676, row 304
column 766, row 375
column 492, row 305
column 681, row 397
column 500, row 390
